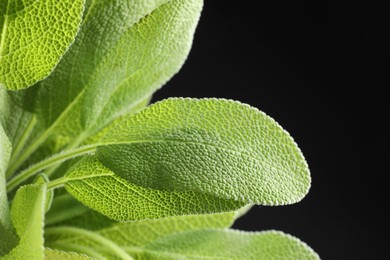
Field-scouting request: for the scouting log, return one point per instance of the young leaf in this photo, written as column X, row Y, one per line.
column 27, row 213
column 127, row 57
column 7, row 238
column 100, row 189
column 138, row 234
column 33, row 37
column 228, row 244
column 218, row 147
column 51, row 254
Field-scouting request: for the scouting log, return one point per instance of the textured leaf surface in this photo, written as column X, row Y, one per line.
column 27, row 213
column 7, row 237
column 51, row 254
column 228, row 244
column 124, row 52
column 33, row 37
column 138, row 234
column 218, row 147
column 100, row 189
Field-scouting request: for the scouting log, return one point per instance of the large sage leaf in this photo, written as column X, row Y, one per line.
column 33, row 37
column 228, row 244
column 27, row 213
column 217, row 147
column 99, row 188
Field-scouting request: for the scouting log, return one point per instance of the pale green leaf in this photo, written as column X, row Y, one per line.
column 137, row 234
column 51, row 254
column 125, row 51
column 8, row 239
column 5, row 153
column 27, row 213
column 218, row 147
column 33, row 37
column 100, row 189
column 228, row 244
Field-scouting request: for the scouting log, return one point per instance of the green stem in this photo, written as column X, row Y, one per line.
column 57, row 183
column 114, row 248
column 55, row 159
column 17, row 162
column 21, row 142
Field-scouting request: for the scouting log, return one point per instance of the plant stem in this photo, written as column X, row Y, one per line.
column 17, row 162
column 21, row 142
column 54, row 160
column 114, row 248
column 56, row 183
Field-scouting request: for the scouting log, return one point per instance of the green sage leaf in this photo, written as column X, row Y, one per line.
column 228, row 244
column 100, row 189
column 218, row 147
column 27, row 213
column 7, row 239
column 33, row 37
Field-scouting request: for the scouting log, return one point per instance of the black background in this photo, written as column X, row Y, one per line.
column 320, row 70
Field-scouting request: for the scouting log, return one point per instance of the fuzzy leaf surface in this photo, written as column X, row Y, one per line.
column 33, row 37
column 27, row 214
column 100, row 189
column 7, row 239
column 228, row 244
column 210, row 146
